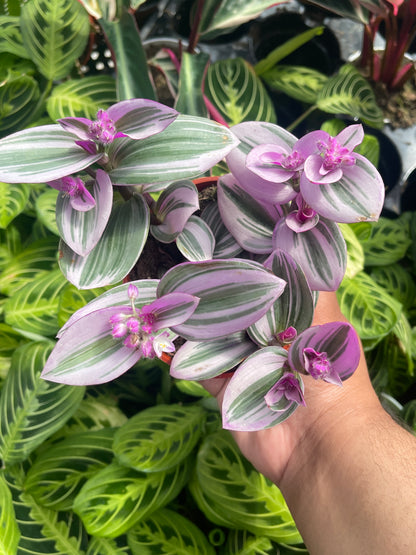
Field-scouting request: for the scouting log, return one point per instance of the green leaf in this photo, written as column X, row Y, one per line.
column 132, row 73
column 370, row 148
column 241, row 542
column 117, row 497
column 185, row 149
column 27, row 264
column 60, row 471
column 236, row 91
column 115, row 253
column 239, row 494
column 33, row 309
column 159, row 437
column 10, row 36
column 369, row 308
column 349, row 93
column 10, row 534
column 45, row 205
column 196, row 241
column 166, row 532
column 18, row 99
column 397, row 281
column 72, row 299
column 387, row 242
column 55, row 34
column 81, row 97
column 32, row 409
column 13, row 199
column 190, row 98
column 43, row 530
column 106, row 546
column 355, row 252
column 302, row 83
column 350, row 9
column 10, row 340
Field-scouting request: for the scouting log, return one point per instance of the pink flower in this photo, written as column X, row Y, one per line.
column 288, row 390
column 80, row 198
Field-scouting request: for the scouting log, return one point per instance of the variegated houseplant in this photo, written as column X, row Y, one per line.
column 163, row 268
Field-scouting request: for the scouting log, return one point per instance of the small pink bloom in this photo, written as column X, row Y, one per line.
column 289, row 388
column 319, row 367
column 73, row 187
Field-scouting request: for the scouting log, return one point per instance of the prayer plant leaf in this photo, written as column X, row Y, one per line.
column 246, row 219
column 43, row 530
column 10, row 533
column 349, row 93
column 173, row 208
column 41, row 154
column 321, row 252
column 117, row 250
column 386, row 243
column 59, row 472
column 351, row 10
column 397, row 281
column 107, row 546
column 159, row 438
column 188, row 147
column 196, row 241
column 355, row 251
column 295, row 305
column 221, row 16
column 235, row 90
column 370, row 309
column 27, row 264
column 11, row 37
column 240, row 495
column 190, row 98
column 81, row 230
column 31, row 409
column 166, row 532
column 81, row 97
column 200, row 360
column 116, row 296
column 244, row 406
column 13, row 200
column 19, row 94
column 302, row 83
column 225, row 244
column 233, row 295
column 55, row 33
column 45, row 206
column 241, row 541
column 33, row 309
column 117, row 497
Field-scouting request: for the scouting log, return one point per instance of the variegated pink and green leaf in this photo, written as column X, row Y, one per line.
column 116, row 252
column 81, row 230
column 225, row 244
column 174, row 207
column 200, row 360
column 233, row 294
column 321, row 252
column 196, row 241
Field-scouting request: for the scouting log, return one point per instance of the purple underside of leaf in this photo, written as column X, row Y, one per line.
column 87, row 353
column 244, row 407
column 357, row 196
column 337, row 339
column 77, row 126
column 173, row 309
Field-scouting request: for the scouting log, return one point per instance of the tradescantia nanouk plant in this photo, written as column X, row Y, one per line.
column 244, row 269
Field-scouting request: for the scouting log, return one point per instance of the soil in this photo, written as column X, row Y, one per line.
column 399, row 108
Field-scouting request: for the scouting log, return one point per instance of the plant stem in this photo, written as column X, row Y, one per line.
column 194, row 34
column 303, row 116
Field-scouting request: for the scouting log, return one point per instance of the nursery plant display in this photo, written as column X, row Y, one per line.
column 161, row 247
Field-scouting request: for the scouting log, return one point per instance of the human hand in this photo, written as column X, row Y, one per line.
column 271, row 450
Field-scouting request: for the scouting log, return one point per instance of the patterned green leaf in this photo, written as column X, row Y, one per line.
column 81, row 97
column 45, row 209
column 190, row 98
column 241, row 542
column 9, row 531
column 349, row 93
column 117, row 497
column 10, row 339
column 72, row 299
column 107, row 546
column 10, row 36
column 13, row 199
column 43, row 530
column 18, row 98
column 239, row 494
column 370, row 309
column 166, row 532
column 397, row 281
column 302, row 83
column 117, row 250
column 55, row 34
column 355, row 251
column 33, row 309
column 236, row 91
column 32, row 409
column 196, row 241
column 159, row 437
column 185, row 149
column 386, row 242
column 60, row 471
column 39, row 256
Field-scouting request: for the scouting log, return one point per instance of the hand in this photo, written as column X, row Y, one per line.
column 271, row 450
